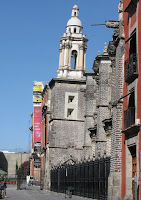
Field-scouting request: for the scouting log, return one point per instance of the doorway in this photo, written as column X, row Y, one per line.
column 134, row 167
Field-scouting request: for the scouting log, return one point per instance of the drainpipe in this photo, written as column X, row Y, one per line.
column 135, row 186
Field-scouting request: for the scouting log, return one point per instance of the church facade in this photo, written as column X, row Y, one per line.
column 67, row 105
column 89, row 113
column 79, row 103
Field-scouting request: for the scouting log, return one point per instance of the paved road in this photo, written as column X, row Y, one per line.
column 34, row 193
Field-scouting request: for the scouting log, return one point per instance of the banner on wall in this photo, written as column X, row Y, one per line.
column 37, row 88
column 37, row 98
column 37, row 117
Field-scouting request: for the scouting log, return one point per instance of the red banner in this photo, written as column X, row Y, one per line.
column 37, row 117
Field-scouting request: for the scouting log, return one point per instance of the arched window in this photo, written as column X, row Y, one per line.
column 74, row 13
column 74, row 30
column 73, row 59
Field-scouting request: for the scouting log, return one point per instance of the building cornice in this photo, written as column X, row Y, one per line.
column 61, row 119
column 73, row 38
column 88, row 73
column 66, row 80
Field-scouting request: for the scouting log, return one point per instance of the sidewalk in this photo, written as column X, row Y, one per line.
column 34, row 192
column 60, row 196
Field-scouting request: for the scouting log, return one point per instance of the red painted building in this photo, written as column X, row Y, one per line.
column 32, row 149
column 36, row 116
column 45, row 95
column 131, row 143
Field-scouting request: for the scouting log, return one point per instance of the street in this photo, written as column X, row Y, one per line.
column 34, row 193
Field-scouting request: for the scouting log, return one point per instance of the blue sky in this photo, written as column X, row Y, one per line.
column 30, row 31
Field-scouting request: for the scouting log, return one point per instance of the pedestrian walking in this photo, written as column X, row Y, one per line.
column 2, row 190
column 5, row 186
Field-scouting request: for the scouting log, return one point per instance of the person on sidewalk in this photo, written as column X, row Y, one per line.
column 5, row 186
column 2, row 190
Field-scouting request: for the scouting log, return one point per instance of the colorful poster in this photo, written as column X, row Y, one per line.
column 37, row 98
column 37, row 117
column 37, row 88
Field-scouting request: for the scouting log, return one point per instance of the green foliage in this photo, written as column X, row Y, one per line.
column 2, row 176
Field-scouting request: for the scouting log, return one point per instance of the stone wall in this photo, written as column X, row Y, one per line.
column 116, row 153
column 66, row 127
column 90, row 109
column 103, row 70
column 114, row 188
column 12, row 158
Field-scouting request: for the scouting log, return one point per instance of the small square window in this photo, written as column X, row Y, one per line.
column 70, row 99
column 69, row 113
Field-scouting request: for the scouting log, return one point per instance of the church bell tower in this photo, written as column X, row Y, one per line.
column 72, row 60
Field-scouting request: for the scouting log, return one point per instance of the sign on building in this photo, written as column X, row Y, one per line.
column 37, row 96
column 37, row 146
column 37, row 117
column 37, row 88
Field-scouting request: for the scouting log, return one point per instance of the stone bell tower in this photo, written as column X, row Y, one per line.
column 67, row 103
column 72, row 61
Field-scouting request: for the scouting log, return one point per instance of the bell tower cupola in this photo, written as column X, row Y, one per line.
column 75, row 11
column 73, row 46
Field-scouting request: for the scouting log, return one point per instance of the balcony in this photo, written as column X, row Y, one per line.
column 129, row 117
column 131, row 69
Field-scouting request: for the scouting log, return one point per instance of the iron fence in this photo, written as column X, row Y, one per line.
column 88, row 179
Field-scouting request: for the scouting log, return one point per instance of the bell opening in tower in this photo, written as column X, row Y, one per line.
column 73, row 59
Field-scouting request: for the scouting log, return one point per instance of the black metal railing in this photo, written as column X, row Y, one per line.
column 131, row 69
column 129, row 117
column 88, row 179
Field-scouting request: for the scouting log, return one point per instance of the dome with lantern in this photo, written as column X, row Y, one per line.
column 74, row 24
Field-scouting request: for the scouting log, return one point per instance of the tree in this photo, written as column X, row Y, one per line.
column 23, row 170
